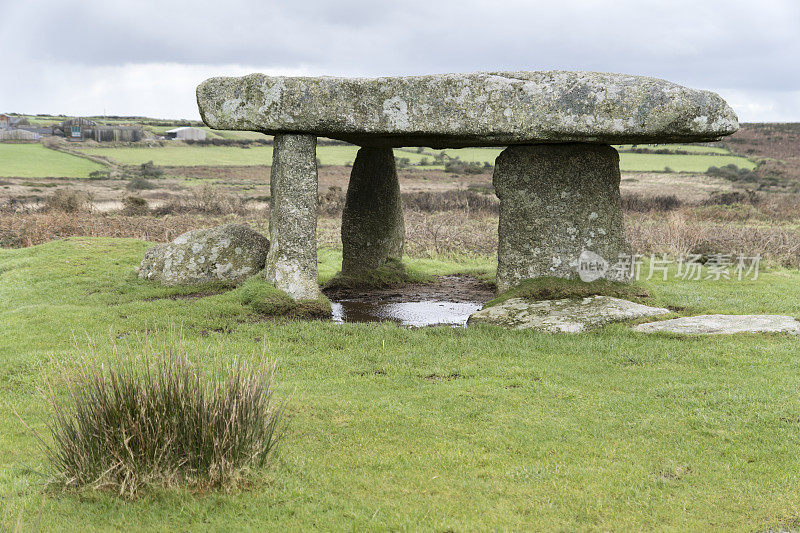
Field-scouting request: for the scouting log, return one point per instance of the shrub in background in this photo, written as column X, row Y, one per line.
column 205, row 199
column 134, row 205
column 68, row 200
column 158, row 418
column 639, row 203
column 150, row 170
column 733, row 173
column 745, row 197
column 100, row 175
column 138, row 183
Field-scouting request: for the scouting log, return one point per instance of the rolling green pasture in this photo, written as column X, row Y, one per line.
column 693, row 148
column 215, row 155
column 32, row 160
column 629, row 162
column 679, row 163
column 434, row 428
column 341, row 155
column 188, row 155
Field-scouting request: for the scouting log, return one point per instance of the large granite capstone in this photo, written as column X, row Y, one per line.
column 477, row 109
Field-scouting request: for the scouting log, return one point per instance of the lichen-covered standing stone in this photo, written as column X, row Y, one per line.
column 373, row 230
column 556, row 201
column 292, row 259
column 229, row 253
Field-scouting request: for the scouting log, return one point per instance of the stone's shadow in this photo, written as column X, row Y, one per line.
column 459, row 288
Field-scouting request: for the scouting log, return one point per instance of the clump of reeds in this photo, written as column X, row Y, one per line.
column 154, row 416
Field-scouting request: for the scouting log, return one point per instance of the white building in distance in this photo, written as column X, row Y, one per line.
column 186, row 133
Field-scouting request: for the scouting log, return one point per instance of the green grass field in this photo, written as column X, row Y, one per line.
column 215, row 155
column 435, row 428
column 36, row 161
column 693, row 148
column 629, row 162
column 341, row 155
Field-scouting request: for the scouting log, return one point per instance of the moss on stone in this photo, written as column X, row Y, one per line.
column 263, row 298
column 552, row 288
column 390, row 274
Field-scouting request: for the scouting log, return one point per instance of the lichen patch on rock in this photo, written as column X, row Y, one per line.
column 569, row 315
column 724, row 324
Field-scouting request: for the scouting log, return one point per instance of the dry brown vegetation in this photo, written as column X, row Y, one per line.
column 437, row 223
column 776, row 146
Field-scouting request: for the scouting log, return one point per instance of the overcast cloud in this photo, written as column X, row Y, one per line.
column 145, row 57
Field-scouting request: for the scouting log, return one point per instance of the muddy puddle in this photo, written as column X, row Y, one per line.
column 412, row 314
column 449, row 300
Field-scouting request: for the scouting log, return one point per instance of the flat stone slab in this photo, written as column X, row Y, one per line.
column 563, row 316
column 478, row 109
column 724, row 324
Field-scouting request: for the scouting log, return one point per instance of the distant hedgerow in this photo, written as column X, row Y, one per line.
column 158, row 418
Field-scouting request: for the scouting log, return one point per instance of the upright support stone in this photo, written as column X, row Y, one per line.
column 373, row 230
column 292, row 259
column 557, row 201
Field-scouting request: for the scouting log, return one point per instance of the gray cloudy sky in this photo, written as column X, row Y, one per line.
column 145, row 57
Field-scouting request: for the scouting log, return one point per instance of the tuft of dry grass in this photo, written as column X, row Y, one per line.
column 19, row 229
column 204, row 199
column 681, row 233
column 154, row 416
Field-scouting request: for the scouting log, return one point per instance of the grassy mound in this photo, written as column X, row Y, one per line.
column 263, row 298
column 551, row 288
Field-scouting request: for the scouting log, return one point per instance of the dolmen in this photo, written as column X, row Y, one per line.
column 557, row 180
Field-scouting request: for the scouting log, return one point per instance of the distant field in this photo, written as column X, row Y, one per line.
column 36, row 161
column 188, row 155
column 341, row 155
column 679, row 163
column 694, row 148
column 215, row 155
column 629, row 162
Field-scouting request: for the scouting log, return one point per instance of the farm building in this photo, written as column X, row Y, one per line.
column 79, row 129
column 15, row 134
column 10, row 121
column 186, row 133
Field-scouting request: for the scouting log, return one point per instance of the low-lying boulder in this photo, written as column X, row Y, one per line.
column 568, row 315
column 724, row 324
column 229, row 253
